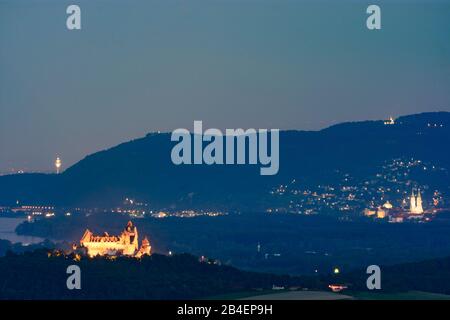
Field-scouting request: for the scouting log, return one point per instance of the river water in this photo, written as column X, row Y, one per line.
column 7, row 232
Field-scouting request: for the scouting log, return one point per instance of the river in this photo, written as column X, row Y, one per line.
column 7, row 232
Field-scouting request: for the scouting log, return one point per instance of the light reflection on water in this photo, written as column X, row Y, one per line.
column 7, row 232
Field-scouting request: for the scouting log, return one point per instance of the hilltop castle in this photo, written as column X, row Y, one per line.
column 415, row 206
column 125, row 244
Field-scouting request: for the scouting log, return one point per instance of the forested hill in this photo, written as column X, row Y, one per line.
column 143, row 169
column 35, row 275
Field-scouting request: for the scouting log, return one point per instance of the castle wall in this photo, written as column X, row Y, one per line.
column 108, row 248
column 127, row 243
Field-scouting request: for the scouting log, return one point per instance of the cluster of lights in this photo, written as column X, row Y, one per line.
column 392, row 182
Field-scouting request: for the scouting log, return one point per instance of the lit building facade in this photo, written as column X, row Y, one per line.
column 416, row 203
column 125, row 244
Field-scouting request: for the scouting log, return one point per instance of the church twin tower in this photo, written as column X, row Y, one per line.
column 416, row 203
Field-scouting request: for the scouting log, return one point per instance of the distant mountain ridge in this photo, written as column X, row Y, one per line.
column 142, row 168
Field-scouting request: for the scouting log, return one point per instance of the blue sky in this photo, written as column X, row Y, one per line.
column 141, row 66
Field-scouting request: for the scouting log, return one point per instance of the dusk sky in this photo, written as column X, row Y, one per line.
column 142, row 66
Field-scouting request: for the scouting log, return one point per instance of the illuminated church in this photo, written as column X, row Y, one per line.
column 125, row 244
column 416, row 203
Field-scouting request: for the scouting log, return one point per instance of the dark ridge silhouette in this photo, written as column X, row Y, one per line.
column 142, row 168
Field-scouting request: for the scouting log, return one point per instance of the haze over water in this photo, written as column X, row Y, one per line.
column 7, row 232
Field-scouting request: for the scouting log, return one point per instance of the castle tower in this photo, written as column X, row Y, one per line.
column 145, row 248
column 130, row 237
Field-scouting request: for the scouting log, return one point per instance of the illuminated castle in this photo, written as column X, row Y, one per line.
column 125, row 244
column 416, row 203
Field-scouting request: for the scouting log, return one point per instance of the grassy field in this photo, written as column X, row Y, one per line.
column 300, row 295
column 239, row 295
column 282, row 295
column 324, row 295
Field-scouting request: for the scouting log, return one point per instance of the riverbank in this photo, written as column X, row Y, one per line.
column 8, row 232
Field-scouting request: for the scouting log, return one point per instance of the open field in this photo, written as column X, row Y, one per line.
column 323, row 295
column 300, row 295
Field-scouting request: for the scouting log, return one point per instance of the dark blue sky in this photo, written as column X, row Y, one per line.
column 141, row 66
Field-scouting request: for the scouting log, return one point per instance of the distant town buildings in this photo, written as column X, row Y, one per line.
column 337, row 287
column 381, row 213
column 389, row 121
column 399, row 215
column 383, row 194
column 387, row 205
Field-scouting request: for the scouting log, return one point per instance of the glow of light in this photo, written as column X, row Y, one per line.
column 58, row 164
